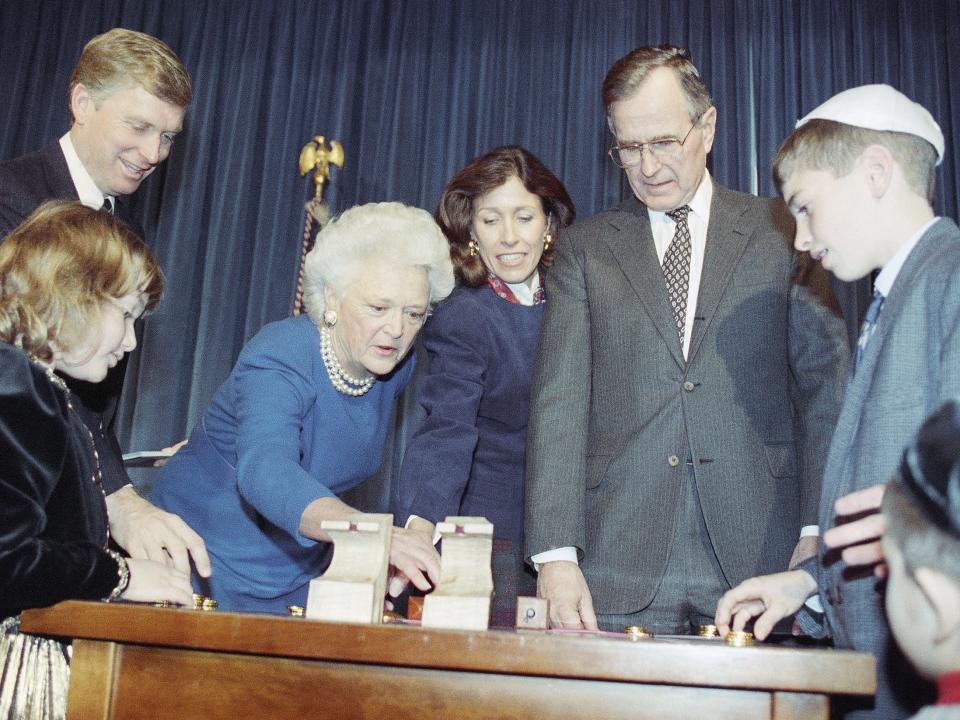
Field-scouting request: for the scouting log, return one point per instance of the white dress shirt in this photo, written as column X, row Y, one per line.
column 664, row 227
column 87, row 190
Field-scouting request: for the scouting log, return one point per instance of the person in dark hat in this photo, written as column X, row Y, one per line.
column 921, row 544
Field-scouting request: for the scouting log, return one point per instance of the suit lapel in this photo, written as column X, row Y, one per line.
column 727, row 234
column 632, row 246
column 860, row 383
column 57, row 173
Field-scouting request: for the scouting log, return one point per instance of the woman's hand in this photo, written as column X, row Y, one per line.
column 151, row 581
column 413, row 558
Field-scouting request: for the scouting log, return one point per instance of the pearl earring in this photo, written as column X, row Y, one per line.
column 330, row 318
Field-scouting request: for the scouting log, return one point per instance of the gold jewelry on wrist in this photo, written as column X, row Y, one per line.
column 123, row 572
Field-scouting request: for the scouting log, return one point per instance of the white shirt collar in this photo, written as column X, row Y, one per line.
column 888, row 275
column 87, row 190
column 522, row 292
column 699, row 203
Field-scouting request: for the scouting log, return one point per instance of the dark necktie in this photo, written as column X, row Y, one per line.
column 868, row 326
column 107, row 206
column 676, row 268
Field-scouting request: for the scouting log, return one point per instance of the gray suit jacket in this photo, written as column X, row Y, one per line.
column 910, row 366
column 616, row 412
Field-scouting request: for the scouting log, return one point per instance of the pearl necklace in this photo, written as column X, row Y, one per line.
column 342, row 382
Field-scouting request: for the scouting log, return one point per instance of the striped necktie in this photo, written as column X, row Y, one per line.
column 676, row 268
column 868, row 326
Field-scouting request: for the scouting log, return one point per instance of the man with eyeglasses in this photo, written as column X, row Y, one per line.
column 689, row 377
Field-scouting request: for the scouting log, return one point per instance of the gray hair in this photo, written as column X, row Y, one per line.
column 401, row 235
column 628, row 73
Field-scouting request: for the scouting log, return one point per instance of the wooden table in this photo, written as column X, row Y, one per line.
column 133, row 661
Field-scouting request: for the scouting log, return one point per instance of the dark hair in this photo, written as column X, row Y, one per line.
column 480, row 176
column 627, row 74
column 921, row 503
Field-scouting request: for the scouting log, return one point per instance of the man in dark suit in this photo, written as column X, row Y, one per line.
column 127, row 98
column 688, row 379
column 858, row 175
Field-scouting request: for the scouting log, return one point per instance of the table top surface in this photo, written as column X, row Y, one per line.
column 686, row 661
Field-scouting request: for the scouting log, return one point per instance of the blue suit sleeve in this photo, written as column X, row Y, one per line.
column 438, row 459
column 274, row 390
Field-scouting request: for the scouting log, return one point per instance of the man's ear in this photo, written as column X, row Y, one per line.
column 878, row 164
column 709, row 125
column 81, row 103
column 943, row 594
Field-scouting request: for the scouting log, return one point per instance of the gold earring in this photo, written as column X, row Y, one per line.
column 474, row 248
column 547, row 239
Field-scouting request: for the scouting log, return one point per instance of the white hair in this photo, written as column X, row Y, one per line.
column 390, row 232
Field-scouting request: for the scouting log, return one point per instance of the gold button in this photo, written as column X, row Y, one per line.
column 673, row 461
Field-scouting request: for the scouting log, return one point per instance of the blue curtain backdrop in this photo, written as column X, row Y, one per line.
column 413, row 89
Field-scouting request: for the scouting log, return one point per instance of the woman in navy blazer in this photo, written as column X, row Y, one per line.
column 501, row 215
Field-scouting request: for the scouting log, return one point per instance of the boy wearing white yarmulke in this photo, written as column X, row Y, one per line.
column 858, row 176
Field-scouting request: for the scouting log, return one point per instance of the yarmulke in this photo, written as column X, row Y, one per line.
column 880, row 107
column 931, row 468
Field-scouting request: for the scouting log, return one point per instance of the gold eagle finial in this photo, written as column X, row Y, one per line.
column 316, row 156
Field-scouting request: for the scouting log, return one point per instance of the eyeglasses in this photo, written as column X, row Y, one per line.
column 668, row 149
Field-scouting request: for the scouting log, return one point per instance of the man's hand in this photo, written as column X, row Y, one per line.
column 155, row 582
column 564, row 587
column 860, row 539
column 769, row 598
column 149, row 533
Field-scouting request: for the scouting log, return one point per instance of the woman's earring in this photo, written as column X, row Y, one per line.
column 330, row 318
column 547, row 239
column 474, row 248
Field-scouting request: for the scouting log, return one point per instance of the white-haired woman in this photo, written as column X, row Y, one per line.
column 305, row 412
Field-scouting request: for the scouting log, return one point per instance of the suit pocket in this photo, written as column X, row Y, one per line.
column 596, row 469
column 782, row 459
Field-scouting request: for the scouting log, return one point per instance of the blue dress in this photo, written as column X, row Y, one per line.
column 276, row 437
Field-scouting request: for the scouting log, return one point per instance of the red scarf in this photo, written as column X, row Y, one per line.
column 503, row 290
column 948, row 688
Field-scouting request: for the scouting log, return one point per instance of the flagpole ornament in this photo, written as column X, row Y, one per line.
column 318, row 157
